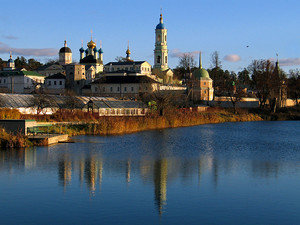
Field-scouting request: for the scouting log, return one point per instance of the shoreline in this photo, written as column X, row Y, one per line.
column 173, row 119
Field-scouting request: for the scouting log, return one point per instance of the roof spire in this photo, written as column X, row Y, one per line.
column 10, row 56
column 65, row 43
column 200, row 60
column 81, row 43
column 161, row 17
column 100, row 43
column 91, row 34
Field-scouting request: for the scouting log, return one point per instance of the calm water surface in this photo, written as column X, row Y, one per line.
column 232, row 173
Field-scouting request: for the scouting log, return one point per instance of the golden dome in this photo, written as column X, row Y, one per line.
column 91, row 44
column 128, row 52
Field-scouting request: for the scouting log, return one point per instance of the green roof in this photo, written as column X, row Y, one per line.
column 20, row 73
column 200, row 73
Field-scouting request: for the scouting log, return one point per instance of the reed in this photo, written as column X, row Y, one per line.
column 122, row 125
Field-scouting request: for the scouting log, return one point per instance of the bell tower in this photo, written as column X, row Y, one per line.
column 161, row 48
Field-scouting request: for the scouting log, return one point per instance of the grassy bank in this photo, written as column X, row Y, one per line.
column 122, row 125
column 289, row 113
column 13, row 141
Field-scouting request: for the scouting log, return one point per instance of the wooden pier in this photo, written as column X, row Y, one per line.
column 49, row 139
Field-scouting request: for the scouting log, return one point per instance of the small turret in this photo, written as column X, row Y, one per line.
column 128, row 52
column 10, row 63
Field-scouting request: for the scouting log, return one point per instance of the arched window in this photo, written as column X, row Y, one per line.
column 158, row 37
column 165, row 38
column 166, row 59
column 158, row 59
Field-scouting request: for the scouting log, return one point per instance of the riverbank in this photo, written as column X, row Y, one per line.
column 125, row 125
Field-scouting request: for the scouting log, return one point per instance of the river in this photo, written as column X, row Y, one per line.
column 230, row 173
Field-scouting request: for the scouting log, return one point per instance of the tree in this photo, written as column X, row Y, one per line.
column 294, row 85
column 21, row 63
column 185, row 66
column 120, row 59
column 52, row 61
column 269, row 83
column 71, row 102
column 34, row 64
column 244, row 78
column 41, row 102
column 215, row 60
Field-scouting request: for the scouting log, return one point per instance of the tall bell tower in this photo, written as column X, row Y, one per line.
column 161, row 48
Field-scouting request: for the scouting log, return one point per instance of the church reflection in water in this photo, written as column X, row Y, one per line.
column 91, row 169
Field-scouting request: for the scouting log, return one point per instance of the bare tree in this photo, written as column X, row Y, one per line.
column 215, row 60
column 41, row 102
column 120, row 59
column 269, row 83
column 294, row 85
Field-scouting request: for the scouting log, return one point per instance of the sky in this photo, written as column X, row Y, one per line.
column 240, row 30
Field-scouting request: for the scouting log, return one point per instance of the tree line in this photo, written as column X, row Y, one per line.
column 29, row 64
column 262, row 79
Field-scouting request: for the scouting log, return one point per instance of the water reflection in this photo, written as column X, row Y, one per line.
column 160, row 160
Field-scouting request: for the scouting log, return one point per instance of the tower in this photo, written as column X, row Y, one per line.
column 161, row 48
column 10, row 63
column 101, row 53
column 81, row 50
column 128, row 52
column 161, row 68
column 65, row 55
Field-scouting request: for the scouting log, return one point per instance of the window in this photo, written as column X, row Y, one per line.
column 0, row 81
column 55, row 82
column 165, row 38
column 204, row 83
column 27, row 80
column 49, row 82
column 60, row 82
column 118, row 88
column 132, row 88
column 4, row 81
column 103, row 89
column 204, row 92
column 96, row 89
column 166, row 59
column 125, row 88
column 111, row 89
column 158, row 59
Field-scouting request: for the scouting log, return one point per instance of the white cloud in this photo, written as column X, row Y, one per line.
column 232, row 58
column 28, row 51
column 174, row 53
column 10, row 37
column 289, row 62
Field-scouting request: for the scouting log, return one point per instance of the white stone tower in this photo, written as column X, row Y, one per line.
column 65, row 55
column 161, row 48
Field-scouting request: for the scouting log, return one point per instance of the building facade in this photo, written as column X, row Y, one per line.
column 200, row 86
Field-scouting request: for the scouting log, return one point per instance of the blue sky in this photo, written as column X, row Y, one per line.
column 38, row 29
